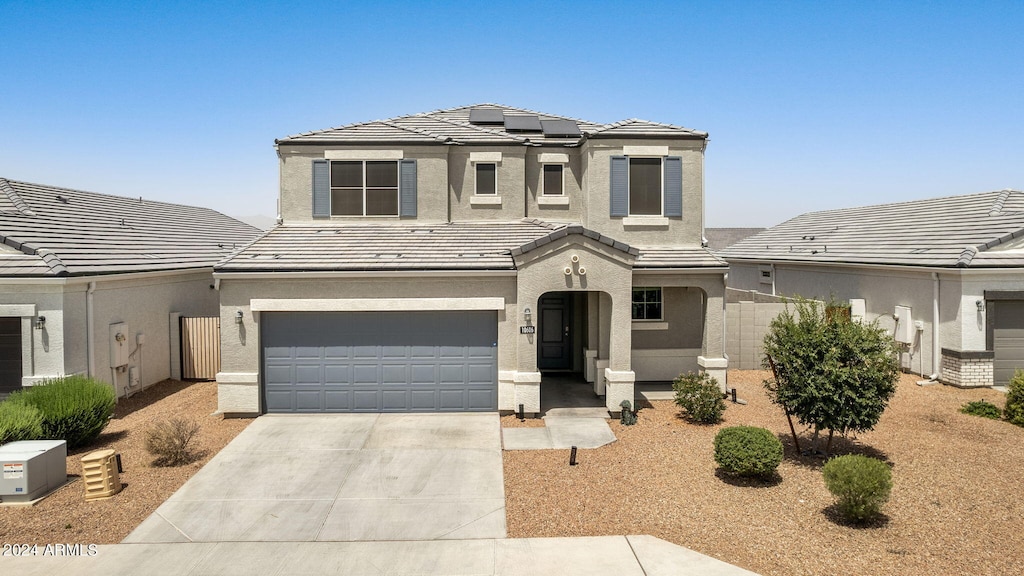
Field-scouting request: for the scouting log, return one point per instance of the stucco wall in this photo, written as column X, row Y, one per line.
column 511, row 181
column 572, row 173
column 296, row 198
column 42, row 350
column 686, row 230
column 682, row 325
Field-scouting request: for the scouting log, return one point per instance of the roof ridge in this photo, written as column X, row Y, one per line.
column 479, row 129
column 15, row 198
column 237, row 251
column 119, row 197
column 629, row 121
column 966, row 256
column 997, row 205
column 517, row 109
column 53, row 261
column 391, row 122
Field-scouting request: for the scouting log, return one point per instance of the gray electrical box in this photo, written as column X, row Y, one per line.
column 32, row 469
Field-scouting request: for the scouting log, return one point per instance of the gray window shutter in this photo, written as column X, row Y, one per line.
column 673, row 205
column 321, row 189
column 619, row 186
column 407, row 188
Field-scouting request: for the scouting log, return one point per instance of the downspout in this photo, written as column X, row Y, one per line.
column 935, row 327
column 90, row 338
column 772, row 267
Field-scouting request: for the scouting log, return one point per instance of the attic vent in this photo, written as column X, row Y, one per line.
column 486, row 116
column 422, row 231
column 919, row 250
column 62, row 199
column 328, row 231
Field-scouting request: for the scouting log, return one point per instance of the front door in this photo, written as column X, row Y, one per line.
column 10, row 356
column 554, row 347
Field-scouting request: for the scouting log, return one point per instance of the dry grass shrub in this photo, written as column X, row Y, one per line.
column 171, row 441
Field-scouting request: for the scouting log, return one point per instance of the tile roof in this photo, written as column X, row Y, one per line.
column 452, row 126
column 52, row 232
column 974, row 230
column 312, row 247
column 721, row 238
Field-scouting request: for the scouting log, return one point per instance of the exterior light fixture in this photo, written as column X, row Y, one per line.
column 527, row 313
column 40, row 322
column 238, row 317
column 981, row 305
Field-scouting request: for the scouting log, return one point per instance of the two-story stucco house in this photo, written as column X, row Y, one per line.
column 446, row 261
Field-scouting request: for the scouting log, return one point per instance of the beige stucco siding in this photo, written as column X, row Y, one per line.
column 539, row 206
column 296, row 165
column 511, row 184
column 682, row 325
column 678, row 231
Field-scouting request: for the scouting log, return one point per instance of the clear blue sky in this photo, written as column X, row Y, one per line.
column 809, row 106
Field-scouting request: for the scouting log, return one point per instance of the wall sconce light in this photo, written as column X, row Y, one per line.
column 238, row 317
column 981, row 305
column 40, row 322
column 527, row 313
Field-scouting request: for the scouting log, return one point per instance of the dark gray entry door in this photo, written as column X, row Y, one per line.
column 554, row 347
column 10, row 355
column 1007, row 339
column 380, row 361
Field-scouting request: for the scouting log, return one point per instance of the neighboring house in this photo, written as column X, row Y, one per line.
column 945, row 276
column 79, row 268
column 444, row 261
column 718, row 239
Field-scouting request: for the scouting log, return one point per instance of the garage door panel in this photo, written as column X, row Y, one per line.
column 1008, row 339
column 380, row 361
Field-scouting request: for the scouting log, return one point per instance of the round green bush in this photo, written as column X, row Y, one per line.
column 74, row 408
column 699, row 396
column 982, row 408
column 860, row 484
column 19, row 422
column 1014, row 410
column 747, row 451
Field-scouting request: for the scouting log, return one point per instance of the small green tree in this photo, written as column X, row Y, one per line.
column 830, row 372
column 1014, row 410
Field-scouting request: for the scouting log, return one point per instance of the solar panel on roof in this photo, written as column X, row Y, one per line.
column 565, row 128
column 522, row 124
column 486, row 116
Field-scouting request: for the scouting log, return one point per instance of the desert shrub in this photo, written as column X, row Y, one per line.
column 699, row 396
column 74, row 408
column 170, row 441
column 982, row 408
column 19, row 422
column 747, row 451
column 1014, row 410
column 860, row 484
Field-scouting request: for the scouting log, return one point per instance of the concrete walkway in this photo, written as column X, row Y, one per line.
column 594, row 556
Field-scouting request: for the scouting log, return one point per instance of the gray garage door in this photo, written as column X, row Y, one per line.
column 380, row 361
column 1008, row 339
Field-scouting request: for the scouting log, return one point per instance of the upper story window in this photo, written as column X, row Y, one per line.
column 645, row 189
column 364, row 188
column 646, row 186
column 552, row 182
column 647, row 304
column 486, row 178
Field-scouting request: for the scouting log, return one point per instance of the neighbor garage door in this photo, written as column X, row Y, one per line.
column 1008, row 339
column 380, row 361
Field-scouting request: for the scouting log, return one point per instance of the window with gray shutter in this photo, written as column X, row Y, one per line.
column 673, row 186
column 321, row 189
column 619, row 193
column 407, row 188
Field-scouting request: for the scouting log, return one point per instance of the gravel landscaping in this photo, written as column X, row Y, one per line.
column 65, row 517
column 956, row 505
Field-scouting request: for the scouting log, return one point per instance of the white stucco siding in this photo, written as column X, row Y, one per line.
column 684, row 231
column 296, row 175
column 144, row 304
column 747, row 276
column 42, row 350
column 975, row 283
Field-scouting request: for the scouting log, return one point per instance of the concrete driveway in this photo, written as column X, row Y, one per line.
column 343, row 478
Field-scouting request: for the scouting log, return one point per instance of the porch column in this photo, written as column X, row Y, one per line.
column 713, row 360
column 619, row 376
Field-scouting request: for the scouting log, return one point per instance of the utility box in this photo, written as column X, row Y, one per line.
column 119, row 345
column 100, row 475
column 904, row 325
column 32, row 469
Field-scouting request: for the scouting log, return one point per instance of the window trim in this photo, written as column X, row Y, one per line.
column 661, row 187
column 476, row 180
column 398, row 188
column 543, row 179
column 661, row 304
